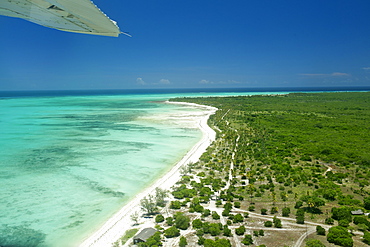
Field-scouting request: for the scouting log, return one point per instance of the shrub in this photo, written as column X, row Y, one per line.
column 159, row 218
column 240, row 230
column 171, row 232
column 197, row 223
column 238, row 218
column 263, row 211
column 340, row 236
column 183, row 242
column 286, row 212
column 181, row 221
column 215, row 215
column 247, row 240
column 268, row 224
column 320, row 230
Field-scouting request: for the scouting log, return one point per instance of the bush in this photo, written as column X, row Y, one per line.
column 171, row 232
column 183, row 242
column 286, row 212
column 263, row 211
column 181, row 221
column 197, row 224
column 215, row 215
column 268, row 224
column 240, row 230
column 340, row 236
column 175, row 205
column 159, row 218
column 238, row 218
column 247, row 240
column 169, row 221
column 320, row 230
column 251, row 208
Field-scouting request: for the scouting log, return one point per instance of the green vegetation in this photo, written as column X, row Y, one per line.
column 303, row 156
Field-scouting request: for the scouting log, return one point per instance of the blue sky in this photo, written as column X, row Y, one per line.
column 196, row 44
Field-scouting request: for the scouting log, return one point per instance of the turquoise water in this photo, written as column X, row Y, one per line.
column 69, row 163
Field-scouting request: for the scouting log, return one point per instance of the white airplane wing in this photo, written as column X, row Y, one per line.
column 80, row 16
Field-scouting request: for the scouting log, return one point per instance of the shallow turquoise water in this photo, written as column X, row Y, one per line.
column 69, row 163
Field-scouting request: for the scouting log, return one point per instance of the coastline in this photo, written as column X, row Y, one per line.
column 117, row 225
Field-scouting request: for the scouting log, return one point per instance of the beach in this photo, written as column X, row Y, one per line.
column 117, row 225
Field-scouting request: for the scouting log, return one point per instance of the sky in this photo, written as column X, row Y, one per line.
column 196, row 44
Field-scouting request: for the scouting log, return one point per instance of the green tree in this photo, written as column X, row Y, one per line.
column 367, row 203
column 160, row 196
column 171, row 232
column 214, row 229
column 215, row 215
column 183, row 242
column 320, row 230
column 181, row 221
column 197, row 224
column 277, row 222
column 286, row 212
column 148, row 205
column 340, row 236
column 240, row 230
column 238, row 218
column 367, row 238
column 247, row 240
column 159, row 218
column 175, row 205
column 227, row 232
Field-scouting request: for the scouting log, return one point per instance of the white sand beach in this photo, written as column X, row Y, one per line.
column 116, row 226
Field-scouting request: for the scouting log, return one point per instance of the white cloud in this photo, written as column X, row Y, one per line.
column 334, row 74
column 164, row 81
column 366, row 68
column 205, row 82
column 140, row 81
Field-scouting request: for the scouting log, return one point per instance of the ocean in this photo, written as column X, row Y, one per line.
column 72, row 159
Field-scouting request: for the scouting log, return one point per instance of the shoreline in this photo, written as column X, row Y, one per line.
column 119, row 223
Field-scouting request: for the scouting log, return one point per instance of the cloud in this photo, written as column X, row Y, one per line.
column 140, row 81
column 205, row 82
column 219, row 82
column 366, row 68
column 164, row 81
column 334, row 74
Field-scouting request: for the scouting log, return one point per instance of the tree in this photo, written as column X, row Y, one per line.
column 367, row 203
column 181, row 221
column 215, row 215
column 247, row 240
column 340, row 236
column 175, row 205
column 160, row 196
column 277, row 222
column 135, row 217
column 227, row 232
column 263, row 211
column 159, row 218
column 313, row 202
column 148, row 205
column 367, row 238
column 267, row 224
column 183, row 242
column 171, row 232
column 320, row 230
column 214, row 229
column 286, row 212
column 197, row 224
column 238, row 218
column 240, row 230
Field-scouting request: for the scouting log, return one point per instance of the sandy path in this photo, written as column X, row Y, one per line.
column 116, row 226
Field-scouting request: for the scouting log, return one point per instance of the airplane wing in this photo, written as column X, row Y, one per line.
column 79, row 16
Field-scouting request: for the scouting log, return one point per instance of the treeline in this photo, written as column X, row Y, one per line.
column 332, row 127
